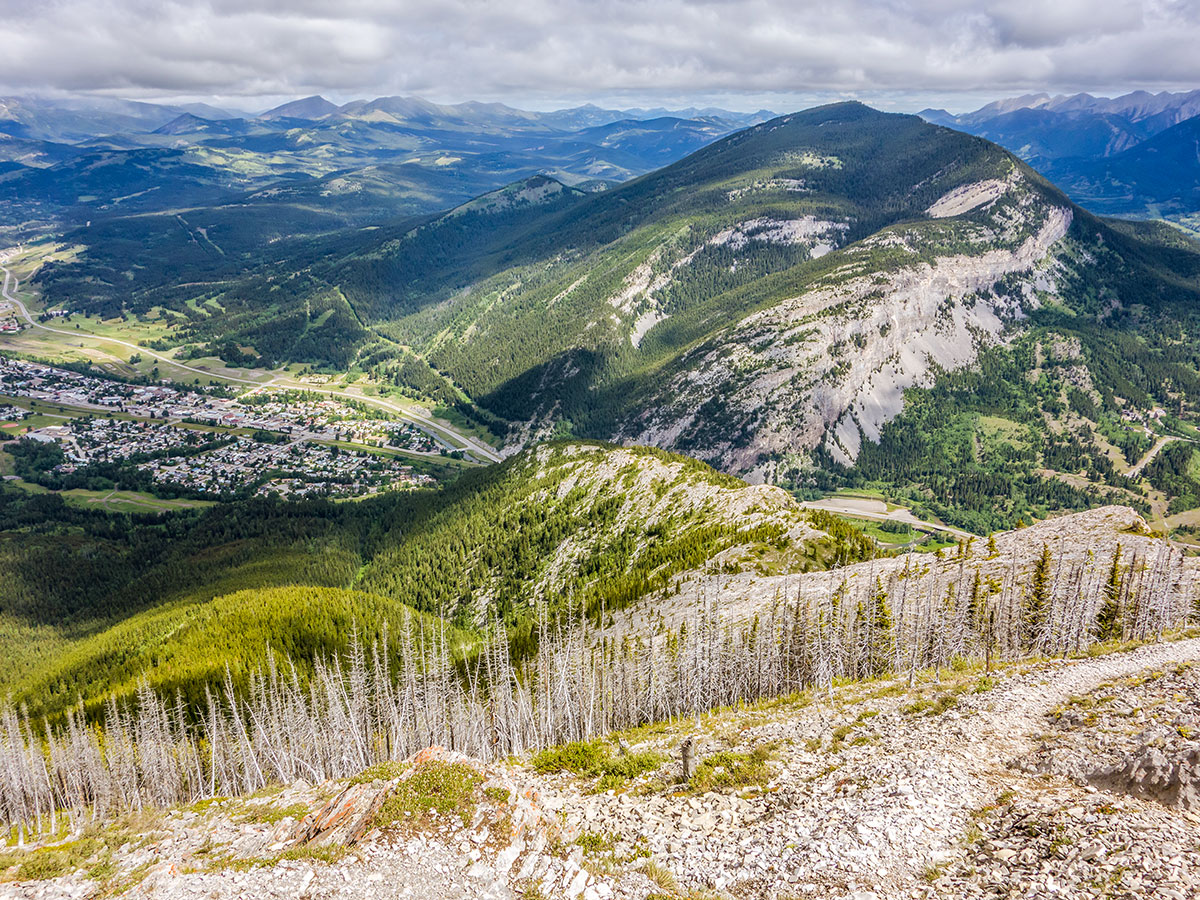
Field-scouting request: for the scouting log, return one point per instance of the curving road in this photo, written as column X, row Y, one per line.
column 1136, row 469
column 453, row 439
column 877, row 511
column 12, row 298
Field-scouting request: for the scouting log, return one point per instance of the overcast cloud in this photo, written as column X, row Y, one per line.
column 549, row 52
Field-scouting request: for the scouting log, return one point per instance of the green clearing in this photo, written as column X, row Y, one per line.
column 127, row 501
column 1004, row 431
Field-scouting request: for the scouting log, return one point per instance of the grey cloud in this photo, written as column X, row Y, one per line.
column 458, row 49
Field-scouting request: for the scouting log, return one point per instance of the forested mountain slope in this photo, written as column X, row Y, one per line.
column 839, row 295
column 1159, row 177
column 93, row 602
column 769, row 303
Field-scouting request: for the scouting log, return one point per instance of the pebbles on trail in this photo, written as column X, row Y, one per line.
column 1136, row 735
column 1060, row 845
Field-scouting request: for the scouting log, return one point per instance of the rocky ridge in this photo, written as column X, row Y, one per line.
column 830, row 365
column 744, row 587
column 648, row 492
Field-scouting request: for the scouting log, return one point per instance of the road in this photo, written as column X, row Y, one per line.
column 453, row 439
column 1136, row 469
column 12, row 298
column 457, row 440
column 877, row 511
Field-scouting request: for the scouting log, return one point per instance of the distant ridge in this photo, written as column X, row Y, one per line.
column 1053, row 132
column 314, row 107
column 1135, row 106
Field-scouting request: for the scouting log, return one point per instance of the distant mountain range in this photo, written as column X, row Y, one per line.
column 70, row 161
column 413, row 110
column 72, row 120
column 1159, row 177
column 1130, row 155
column 1097, row 148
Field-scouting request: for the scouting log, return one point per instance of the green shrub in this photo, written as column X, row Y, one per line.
column 577, row 757
column 384, row 771
column 434, row 787
column 930, row 706
column 732, row 770
column 595, row 760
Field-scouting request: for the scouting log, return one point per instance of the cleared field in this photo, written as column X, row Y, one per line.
column 1006, row 430
column 112, row 501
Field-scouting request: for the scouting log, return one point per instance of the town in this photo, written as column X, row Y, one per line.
column 199, row 443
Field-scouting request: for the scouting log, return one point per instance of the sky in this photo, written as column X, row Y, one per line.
column 541, row 54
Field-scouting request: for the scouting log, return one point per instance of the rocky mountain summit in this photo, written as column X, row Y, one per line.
column 1030, row 781
column 829, row 366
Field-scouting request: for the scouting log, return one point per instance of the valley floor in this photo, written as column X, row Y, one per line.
column 1067, row 778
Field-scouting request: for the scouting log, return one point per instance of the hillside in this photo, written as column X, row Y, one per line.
column 1131, row 155
column 837, row 297
column 94, row 602
column 884, row 788
column 1037, row 734
column 1043, row 136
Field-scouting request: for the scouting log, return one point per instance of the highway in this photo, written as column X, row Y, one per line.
column 452, row 438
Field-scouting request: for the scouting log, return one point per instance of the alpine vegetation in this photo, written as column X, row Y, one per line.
column 589, row 675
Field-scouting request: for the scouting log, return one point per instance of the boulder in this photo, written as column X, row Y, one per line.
column 1171, row 777
column 342, row 820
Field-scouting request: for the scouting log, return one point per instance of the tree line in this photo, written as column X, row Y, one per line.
column 405, row 692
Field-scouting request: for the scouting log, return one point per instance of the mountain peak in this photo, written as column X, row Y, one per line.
column 182, row 124
column 314, row 107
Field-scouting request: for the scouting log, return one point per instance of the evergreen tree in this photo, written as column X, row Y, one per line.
column 1038, row 607
column 974, row 604
column 881, row 651
column 1108, row 620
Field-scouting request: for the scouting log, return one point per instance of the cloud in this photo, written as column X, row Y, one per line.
column 506, row 49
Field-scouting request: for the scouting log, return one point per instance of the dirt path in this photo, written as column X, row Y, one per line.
column 866, row 814
column 1016, row 711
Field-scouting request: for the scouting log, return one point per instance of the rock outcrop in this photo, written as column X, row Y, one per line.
column 830, row 366
column 1170, row 777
